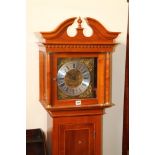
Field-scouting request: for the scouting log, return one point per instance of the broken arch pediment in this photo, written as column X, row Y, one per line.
column 99, row 32
column 100, row 39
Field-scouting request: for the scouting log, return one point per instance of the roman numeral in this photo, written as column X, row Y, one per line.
column 62, row 84
column 86, row 77
column 83, row 84
column 74, row 65
column 60, row 78
column 84, row 71
column 67, row 68
column 65, row 88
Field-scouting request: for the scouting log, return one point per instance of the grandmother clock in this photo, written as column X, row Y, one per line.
column 75, row 75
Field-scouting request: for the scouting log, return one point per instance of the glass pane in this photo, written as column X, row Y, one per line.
column 76, row 78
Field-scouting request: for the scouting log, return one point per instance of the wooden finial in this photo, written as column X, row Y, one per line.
column 79, row 23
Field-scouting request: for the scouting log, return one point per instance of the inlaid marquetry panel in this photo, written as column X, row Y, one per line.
column 77, row 139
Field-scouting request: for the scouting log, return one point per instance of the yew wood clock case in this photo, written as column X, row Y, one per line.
column 75, row 85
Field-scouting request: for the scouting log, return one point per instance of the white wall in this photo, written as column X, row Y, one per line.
column 45, row 15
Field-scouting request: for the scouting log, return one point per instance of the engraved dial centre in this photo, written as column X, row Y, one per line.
column 73, row 78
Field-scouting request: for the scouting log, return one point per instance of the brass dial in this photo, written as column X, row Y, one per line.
column 73, row 78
